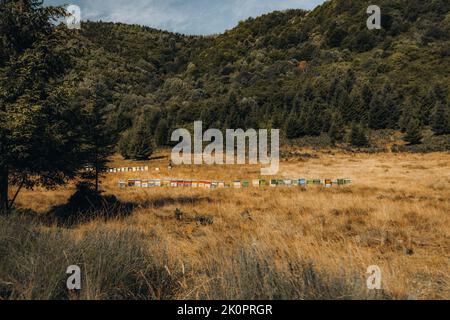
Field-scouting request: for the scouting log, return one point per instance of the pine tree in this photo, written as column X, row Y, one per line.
column 413, row 132
column 441, row 119
column 98, row 138
column 162, row 133
column 292, row 127
column 137, row 143
column 358, row 136
column 337, row 128
column 380, row 111
column 39, row 128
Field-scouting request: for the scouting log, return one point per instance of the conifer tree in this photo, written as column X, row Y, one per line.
column 441, row 119
column 358, row 136
column 39, row 129
column 337, row 128
column 98, row 138
column 413, row 132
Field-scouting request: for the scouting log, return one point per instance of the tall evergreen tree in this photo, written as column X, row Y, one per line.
column 39, row 131
column 337, row 128
column 137, row 143
column 98, row 138
column 378, row 114
column 358, row 136
column 162, row 133
column 413, row 132
column 441, row 119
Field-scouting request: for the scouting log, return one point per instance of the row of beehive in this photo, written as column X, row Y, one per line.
column 127, row 169
column 179, row 183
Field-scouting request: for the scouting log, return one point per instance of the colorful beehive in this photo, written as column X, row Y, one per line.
column 227, row 185
column 146, row 168
column 287, row 182
column 122, row 184
column 317, row 182
column 245, row 184
column 201, row 184
column 273, row 183
column 138, row 183
column 207, row 184
column 262, row 183
column 309, row 182
column 214, row 185
column 130, row 169
column 280, row 182
column 151, row 183
column 221, row 184
column 174, row 183
column 302, row 182
column 144, row 183
column 194, row 184
column 158, row 183
column 237, row 184
column 187, row 183
column 165, row 183
column 255, row 183
column 328, row 183
column 131, row 182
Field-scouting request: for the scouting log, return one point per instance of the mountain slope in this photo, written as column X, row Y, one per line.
column 294, row 70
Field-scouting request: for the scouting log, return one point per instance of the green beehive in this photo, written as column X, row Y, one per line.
column 245, row 183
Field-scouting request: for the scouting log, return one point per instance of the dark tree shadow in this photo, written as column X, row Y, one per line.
column 181, row 200
column 86, row 205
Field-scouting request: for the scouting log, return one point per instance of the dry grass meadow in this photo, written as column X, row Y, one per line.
column 271, row 243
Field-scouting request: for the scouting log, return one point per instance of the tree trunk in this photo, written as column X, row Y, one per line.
column 96, row 179
column 4, row 175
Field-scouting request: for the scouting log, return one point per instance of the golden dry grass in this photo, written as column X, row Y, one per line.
column 394, row 215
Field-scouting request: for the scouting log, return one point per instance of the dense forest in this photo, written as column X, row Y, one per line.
column 307, row 73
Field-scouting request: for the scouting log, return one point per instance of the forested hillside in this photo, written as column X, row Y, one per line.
column 305, row 72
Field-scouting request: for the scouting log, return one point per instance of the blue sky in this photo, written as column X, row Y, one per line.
column 184, row 16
